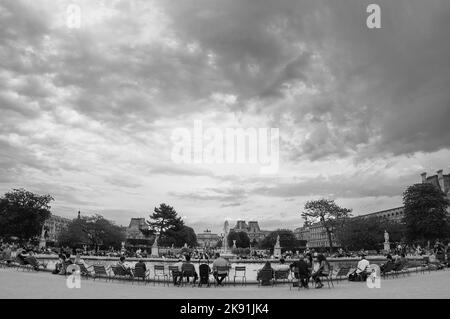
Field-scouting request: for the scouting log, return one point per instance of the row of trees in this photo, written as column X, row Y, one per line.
column 425, row 219
column 23, row 214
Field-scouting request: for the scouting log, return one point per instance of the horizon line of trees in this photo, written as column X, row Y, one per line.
column 23, row 214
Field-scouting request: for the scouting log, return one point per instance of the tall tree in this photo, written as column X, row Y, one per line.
column 367, row 233
column 95, row 231
column 163, row 219
column 23, row 213
column 327, row 213
column 425, row 212
column 242, row 239
column 288, row 241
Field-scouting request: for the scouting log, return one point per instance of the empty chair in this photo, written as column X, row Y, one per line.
column 100, row 272
column 159, row 272
column 240, row 272
column 175, row 273
column 342, row 272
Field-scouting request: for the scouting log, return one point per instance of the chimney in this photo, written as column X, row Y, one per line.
column 441, row 179
column 424, row 177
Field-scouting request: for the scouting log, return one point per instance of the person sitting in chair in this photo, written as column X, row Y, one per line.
column 265, row 280
column 222, row 274
column 360, row 274
column 390, row 261
column 303, row 273
column 126, row 268
column 188, row 268
column 321, row 268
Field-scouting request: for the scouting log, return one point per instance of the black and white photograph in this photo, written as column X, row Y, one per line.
column 224, row 150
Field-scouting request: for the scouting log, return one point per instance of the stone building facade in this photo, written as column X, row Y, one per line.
column 54, row 226
column 252, row 229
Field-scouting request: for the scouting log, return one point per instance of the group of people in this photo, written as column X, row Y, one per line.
column 23, row 255
column 308, row 267
column 187, row 270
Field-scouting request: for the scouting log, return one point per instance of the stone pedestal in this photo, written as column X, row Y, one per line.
column 387, row 247
column 155, row 252
column 277, row 251
column 42, row 243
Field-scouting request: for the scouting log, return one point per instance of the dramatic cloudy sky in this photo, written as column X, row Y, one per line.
column 87, row 114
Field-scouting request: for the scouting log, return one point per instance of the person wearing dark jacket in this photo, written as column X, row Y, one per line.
column 301, row 270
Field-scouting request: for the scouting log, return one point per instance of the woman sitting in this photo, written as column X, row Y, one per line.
column 320, row 269
column 265, row 274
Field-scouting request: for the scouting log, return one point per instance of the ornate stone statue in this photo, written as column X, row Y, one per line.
column 277, row 244
column 386, row 236
column 226, row 230
column 155, row 243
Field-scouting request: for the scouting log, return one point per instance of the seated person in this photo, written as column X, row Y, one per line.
column 177, row 275
column 222, row 274
column 188, row 268
column 7, row 254
column 31, row 260
column 400, row 261
column 389, row 261
column 124, row 265
column 321, row 268
column 265, row 280
column 303, row 270
column 22, row 255
column 360, row 274
column 141, row 264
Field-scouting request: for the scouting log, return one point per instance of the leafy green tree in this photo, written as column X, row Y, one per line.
column 327, row 213
column 164, row 219
column 367, row 233
column 180, row 236
column 425, row 213
column 95, row 231
column 288, row 241
column 242, row 239
column 23, row 213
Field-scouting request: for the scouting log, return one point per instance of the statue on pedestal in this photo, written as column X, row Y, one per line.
column 42, row 240
column 387, row 245
column 277, row 248
column 155, row 249
column 234, row 243
column 226, row 230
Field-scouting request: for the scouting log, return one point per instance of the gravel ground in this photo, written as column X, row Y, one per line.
column 25, row 284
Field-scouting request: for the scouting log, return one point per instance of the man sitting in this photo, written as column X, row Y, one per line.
column 222, row 274
column 303, row 270
column 126, row 268
column 360, row 274
column 188, row 269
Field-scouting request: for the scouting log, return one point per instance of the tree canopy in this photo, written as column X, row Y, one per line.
column 425, row 212
column 170, row 227
column 23, row 213
column 327, row 213
column 288, row 241
column 242, row 239
column 94, row 231
column 367, row 233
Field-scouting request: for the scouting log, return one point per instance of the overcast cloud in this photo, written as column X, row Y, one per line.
column 87, row 114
